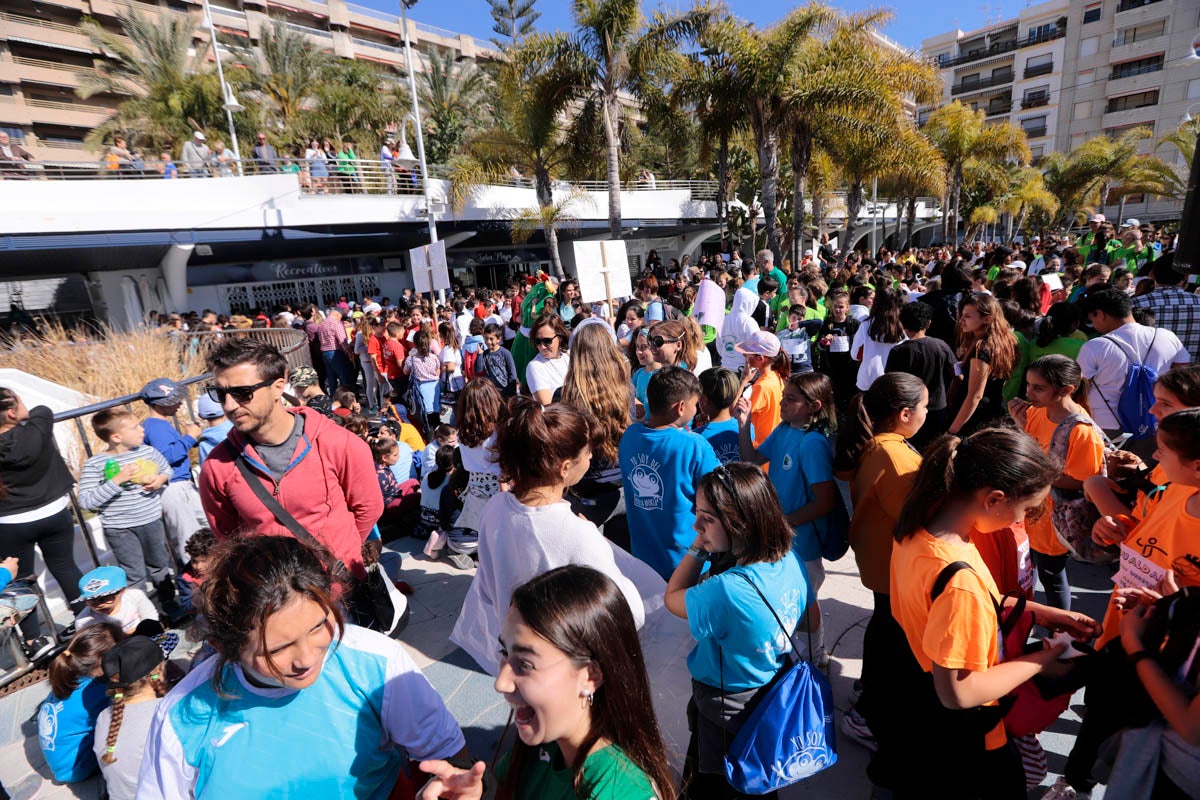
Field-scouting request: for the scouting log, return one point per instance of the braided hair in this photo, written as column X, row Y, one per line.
column 120, row 692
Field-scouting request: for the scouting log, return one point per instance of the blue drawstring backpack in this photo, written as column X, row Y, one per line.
column 790, row 735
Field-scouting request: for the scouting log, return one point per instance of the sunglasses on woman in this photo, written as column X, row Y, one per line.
column 549, row 340
column 242, row 394
column 659, row 341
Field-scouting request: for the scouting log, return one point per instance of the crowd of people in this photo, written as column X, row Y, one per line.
column 966, row 421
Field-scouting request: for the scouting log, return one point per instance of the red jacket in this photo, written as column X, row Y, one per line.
column 330, row 489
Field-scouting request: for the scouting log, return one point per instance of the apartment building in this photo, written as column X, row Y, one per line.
column 1066, row 71
column 44, row 53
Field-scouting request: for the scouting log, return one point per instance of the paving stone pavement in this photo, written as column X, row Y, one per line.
column 482, row 713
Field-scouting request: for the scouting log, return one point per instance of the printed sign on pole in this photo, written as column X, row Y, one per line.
column 430, row 270
column 603, row 271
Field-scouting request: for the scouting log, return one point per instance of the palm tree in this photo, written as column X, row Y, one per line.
column 454, row 99
column 822, row 179
column 1028, row 194
column 916, row 169
column 618, row 46
column 961, row 134
column 1183, row 139
column 538, row 84
column 166, row 84
column 286, row 68
column 1084, row 178
column 559, row 215
column 353, row 102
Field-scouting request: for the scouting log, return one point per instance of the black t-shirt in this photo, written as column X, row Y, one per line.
column 929, row 359
column 992, row 409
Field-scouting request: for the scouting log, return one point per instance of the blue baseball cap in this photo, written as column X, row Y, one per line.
column 102, row 581
column 162, row 392
column 207, row 408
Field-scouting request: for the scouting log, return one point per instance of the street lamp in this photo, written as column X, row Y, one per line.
column 416, row 116
column 230, row 103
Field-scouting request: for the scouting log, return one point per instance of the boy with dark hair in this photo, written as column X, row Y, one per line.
column 929, row 359
column 661, row 466
column 764, row 313
column 496, row 363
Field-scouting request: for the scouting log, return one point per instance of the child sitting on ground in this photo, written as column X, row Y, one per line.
column 345, row 402
column 443, row 436
column 108, row 598
column 135, row 674
column 432, row 486
column 67, row 717
column 400, row 499
column 125, row 484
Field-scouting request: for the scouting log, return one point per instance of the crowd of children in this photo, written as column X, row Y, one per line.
column 595, row 472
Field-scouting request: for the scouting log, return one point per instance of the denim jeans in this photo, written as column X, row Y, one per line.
column 55, row 537
column 141, row 551
column 1052, row 573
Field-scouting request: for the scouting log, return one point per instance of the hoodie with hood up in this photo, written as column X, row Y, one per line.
column 329, row 487
column 739, row 325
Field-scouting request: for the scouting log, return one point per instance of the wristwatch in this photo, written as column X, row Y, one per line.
column 698, row 554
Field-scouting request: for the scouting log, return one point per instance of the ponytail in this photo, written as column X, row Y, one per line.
column 82, row 656
column 874, row 411
column 1060, row 371
column 1003, row 459
column 532, row 442
column 120, row 694
column 781, row 365
column 444, row 462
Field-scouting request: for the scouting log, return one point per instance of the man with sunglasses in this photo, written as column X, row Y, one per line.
column 320, row 475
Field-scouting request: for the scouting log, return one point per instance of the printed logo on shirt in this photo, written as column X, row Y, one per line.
column 48, row 725
column 787, row 461
column 790, row 614
column 728, row 454
column 230, row 730
column 543, row 755
column 647, row 484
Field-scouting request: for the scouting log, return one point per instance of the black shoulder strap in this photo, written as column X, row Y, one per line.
column 273, row 505
column 943, row 578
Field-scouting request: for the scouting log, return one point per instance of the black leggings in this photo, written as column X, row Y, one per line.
column 55, row 537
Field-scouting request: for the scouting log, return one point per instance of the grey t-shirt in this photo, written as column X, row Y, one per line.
column 121, row 776
column 278, row 456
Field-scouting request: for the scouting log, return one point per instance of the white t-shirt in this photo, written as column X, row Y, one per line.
column 479, row 459
column 135, row 606
column 1105, row 364
column 874, row 355
column 451, row 355
column 546, row 373
column 703, row 361
column 518, row 542
column 463, row 323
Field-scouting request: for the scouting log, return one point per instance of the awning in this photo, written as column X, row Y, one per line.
column 51, row 45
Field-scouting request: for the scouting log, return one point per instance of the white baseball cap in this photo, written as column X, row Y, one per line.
column 1097, row 218
column 199, row 135
column 1130, row 223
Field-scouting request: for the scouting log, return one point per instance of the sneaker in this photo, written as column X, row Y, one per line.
column 855, row 692
column 1061, row 790
column 461, row 561
column 39, row 648
column 854, row 727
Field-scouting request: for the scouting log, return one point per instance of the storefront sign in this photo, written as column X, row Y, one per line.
column 264, row 271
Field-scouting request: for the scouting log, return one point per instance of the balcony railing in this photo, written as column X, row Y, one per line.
column 1039, row 69
column 1034, row 133
column 43, row 64
column 383, row 16
column 995, row 109
column 1119, row 73
column 377, row 45
column 1042, row 38
column 17, row 19
column 1035, row 100
column 985, row 83
column 1134, row 36
column 309, row 31
column 1129, row 5
column 1000, row 48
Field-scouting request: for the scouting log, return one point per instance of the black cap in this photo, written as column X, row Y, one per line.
column 131, row 660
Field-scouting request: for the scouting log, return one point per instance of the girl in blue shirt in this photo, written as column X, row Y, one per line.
column 800, row 456
column 67, row 717
column 643, row 354
column 718, row 393
column 743, row 535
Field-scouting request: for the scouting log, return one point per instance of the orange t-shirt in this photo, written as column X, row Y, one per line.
column 880, row 485
column 1085, row 458
column 959, row 630
column 765, row 397
column 1144, row 503
column 1170, row 537
column 1006, row 553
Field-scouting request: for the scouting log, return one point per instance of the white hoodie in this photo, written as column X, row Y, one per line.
column 739, row 325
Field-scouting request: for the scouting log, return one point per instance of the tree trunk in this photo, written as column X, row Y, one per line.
column 899, row 217
column 958, row 182
column 1121, row 212
column 818, row 217
column 544, row 191
column 801, row 156
column 552, row 246
column 1020, row 223
column 722, row 183
column 912, row 220
column 854, row 198
column 947, row 194
column 612, row 135
column 768, row 168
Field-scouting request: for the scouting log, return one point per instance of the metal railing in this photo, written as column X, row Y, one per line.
column 1129, row 5
column 1034, row 133
column 57, row 105
column 1035, row 100
column 1134, row 36
column 1000, row 48
column 394, row 19
column 361, row 176
column 984, row 83
column 391, row 48
column 292, row 26
column 1038, row 69
column 43, row 64
column 993, row 109
column 1145, row 69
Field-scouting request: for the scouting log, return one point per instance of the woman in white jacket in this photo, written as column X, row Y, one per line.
column 737, row 328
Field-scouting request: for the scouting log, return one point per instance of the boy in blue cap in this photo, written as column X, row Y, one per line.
column 182, row 511
column 105, row 592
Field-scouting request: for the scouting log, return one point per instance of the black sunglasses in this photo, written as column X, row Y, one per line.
column 549, row 340
column 659, row 341
column 242, row 394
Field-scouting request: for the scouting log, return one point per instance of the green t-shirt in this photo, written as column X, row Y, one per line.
column 1133, row 259
column 809, row 313
column 1068, row 346
column 608, row 774
column 1012, row 386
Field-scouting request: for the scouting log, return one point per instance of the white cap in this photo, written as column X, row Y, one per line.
column 199, row 135
column 1097, row 218
column 1130, row 223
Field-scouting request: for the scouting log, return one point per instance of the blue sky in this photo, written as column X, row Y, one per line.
column 915, row 19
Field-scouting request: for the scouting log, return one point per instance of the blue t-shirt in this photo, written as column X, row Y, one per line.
column 723, row 436
column 641, row 381
column 66, row 728
column 211, row 437
column 162, row 436
column 728, row 618
column 800, row 458
column 405, row 469
column 661, row 469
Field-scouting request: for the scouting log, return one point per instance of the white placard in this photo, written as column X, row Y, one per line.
column 839, row 344
column 430, row 272
column 595, row 260
column 1053, row 280
column 1137, row 571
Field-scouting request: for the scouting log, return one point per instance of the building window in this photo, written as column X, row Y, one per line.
column 1193, row 89
column 1089, row 46
column 1037, row 151
column 1131, row 101
column 6, row 90
column 1034, row 126
column 15, row 134
column 1082, row 110
column 1091, row 14
column 1042, row 32
column 1039, row 65
column 1139, row 66
column 1117, row 130
column 1141, row 33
